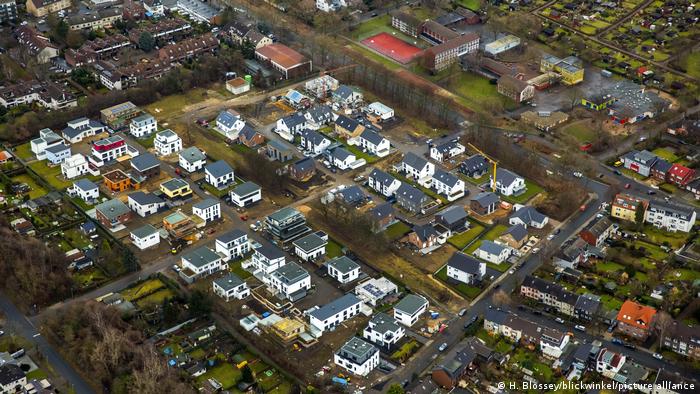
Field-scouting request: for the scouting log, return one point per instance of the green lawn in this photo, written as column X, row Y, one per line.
column 76, row 238
column 581, row 131
column 236, row 268
column 52, row 175
column 476, row 181
column 632, row 174
column 692, row 64
column 493, row 233
column 610, row 303
column 148, row 141
column 532, row 189
column 473, row 5
column 219, row 193
column 682, row 274
column 477, row 92
column 397, row 230
column 371, row 27
column 24, row 151
column 224, row 373
column 334, row 249
column 503, row 267
column 155, row 298
column 665, row 154
column 658, row 236
column 170, row 105
column 460, row 241
column 609, row 266
column 469, row 292
column 36, row 190
column 359, row 154
column 668, row 188
column 37, row 374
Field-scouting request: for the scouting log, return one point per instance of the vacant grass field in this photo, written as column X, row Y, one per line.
column 36, row 190
column 397, row 230
column 469, row 292
column 692, row 64
column 532, row 189
column 171, row 105
column 156, row 298
column 580, row 130
column 473, row 5
column 478, row 93
column 334, row 249
column 665, row 154
column 142, row 289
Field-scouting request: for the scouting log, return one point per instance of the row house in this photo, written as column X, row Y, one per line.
column 188, row 48
column 556, row 296
column 46, row 94
column 38, row 45
column 549, row 340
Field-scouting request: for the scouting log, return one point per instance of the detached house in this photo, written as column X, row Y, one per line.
column 425, row 237
column 448, row 185
column 230, row 286
column 57, row 154
column 167, row 142
column 416, row 167
column 292, row 124
column 192, row 159
column 342, row 158
column 515, row 236
column 290, row 282
column 383, row 330
column 508, row 183
column 453, row 218
column 229, row 123
column 382, row 183
column 465, row 269
column 146, row 165
column 85, row 190
column 47, row 138
column 475, row 166
column 636, row 320
column 75, row 166
column 232, row 244
column 310, row 247
column 357, row 356
column 208, row 209
column 314, row 142
column 343, row 269
column 492, row 252
column 335, row 312
column 219, row 174
column 410, row 309
column 484, row 203
column 347, row 97
column 145, row 204
column 145, row 237
column 302, row 170
column 347, row 127
column 374, row 143
column 112, row 213
column 78, row 129
column 249, row 137
column 446, row 150
column 245, row 194
column 680, row 175
column 528, row 216
column 319, row 116
column 143, row 125
column 199, row 263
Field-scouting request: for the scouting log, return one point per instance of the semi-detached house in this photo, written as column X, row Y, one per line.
column 465, row 269
column 374, row 143
column 382, row 182
column 448, row 185
column 232, row 244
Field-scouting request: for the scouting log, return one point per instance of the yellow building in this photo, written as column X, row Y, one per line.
column 570, row 68
column 41, row 8
column 288, row 329
column 176, row 188
column 624, row 206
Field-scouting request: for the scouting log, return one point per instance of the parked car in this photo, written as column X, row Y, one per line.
column 443, row 347
column 627, row 185
column 176, row 268
column 559, row 320
column 618, row 341
column 580, row 328
column 462, row 312
column 657, row 356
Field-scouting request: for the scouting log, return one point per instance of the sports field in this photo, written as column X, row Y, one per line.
column 392, row 47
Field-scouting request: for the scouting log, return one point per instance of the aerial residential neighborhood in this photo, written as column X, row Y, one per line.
column 336, row 196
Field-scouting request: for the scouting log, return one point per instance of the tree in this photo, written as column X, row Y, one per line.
column 247, row 374
column 82, row 76
column 663, row 323
column 639, row 216
column 146, row 41
column 501, row 298
column 395, row 389
column 200, row 303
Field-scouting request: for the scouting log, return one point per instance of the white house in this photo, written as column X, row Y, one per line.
column 47, row 138
column 310, row 247
column 219, row 174
column 245, row 194
column 85, row 190
column 409, row 309
column 230, row 286
column 208, row 209
column 448, row 185
column 12, row 378
column 314, row 142
column 232, row 244
column 229, row 123
column 357, row 356
column 382, row 182
column 200, row 262
column 74, row 166
column 110, row 148
column 319, row 116
column 192, row 159
column 374, row 143
column 466, row 269
column 153, row 7
column 167, row 142
column 670, row 217
column 145, row 204
column 383, row 330
column 330, row 5
column 446, row 151
column 528, row 216
column 291, row 124
column 78, row 129
column 57, row 154
column 416, row 167
column 343, row 269
column 347, row 96
column 143, row 125
column 342, row 158
column 382, row 111
column 290, row 282
column 373, row 291
column 335, row 312
column 266, row 259
column 492, row 252
column 508, row 183
column 145, row 237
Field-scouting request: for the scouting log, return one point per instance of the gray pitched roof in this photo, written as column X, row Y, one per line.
column 373, row 137
column 445, row 177
column 464, row 263
column 144, row 161
column 683, row 211
column 411, row 193
column 341, row 153
column 335, row 306
column 352, row 194
column 201, row 256
column 294, row 120
column 320, row 113
column 314, row 137
column 491, row 247
column 414, row 161
column 382, row 210
column 381, row 177
column 486, row 198
column 529, row 214
column 453, row 214
column 218, row 169
column 347, row 123
column 475, row 163
column 112, row 208
column 410, row 304
column 518, row 232
column 344, row 92
column 506, row 177
column 304, row 164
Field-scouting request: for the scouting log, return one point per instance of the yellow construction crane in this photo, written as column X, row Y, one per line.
column 494, row 162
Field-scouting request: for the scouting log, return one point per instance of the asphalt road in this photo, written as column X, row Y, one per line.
column 26, row 329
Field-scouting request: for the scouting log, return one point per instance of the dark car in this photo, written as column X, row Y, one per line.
column 617, row 341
